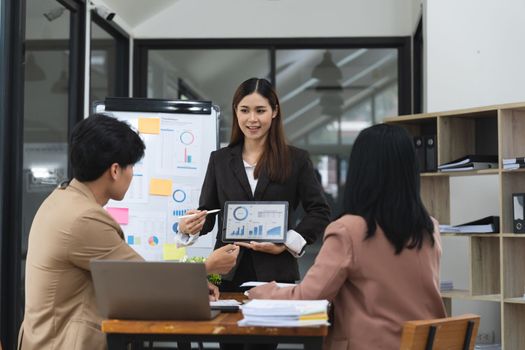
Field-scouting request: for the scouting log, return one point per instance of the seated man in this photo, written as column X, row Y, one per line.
column 71, row 227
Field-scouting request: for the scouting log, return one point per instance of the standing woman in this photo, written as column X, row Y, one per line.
column 258, row 165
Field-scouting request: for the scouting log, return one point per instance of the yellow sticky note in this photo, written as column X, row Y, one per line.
column 160, row 187
column 149, row 125
column 171, row 252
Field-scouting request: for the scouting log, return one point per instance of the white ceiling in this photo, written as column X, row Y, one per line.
column 134, row 12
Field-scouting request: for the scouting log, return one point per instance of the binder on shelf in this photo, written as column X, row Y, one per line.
column 489, row 224
column 420, row 152
column 430, row 153
column 471, row 158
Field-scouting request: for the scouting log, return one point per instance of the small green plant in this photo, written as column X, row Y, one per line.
column 213, row 278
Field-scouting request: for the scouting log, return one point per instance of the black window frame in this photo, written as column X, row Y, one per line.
column 402, row 43
column 418, row 64
column 122, row 54
column 11, row 157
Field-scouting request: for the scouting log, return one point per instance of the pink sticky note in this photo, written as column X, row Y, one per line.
column 121, row 215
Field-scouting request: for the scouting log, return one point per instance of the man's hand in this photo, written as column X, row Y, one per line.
column 214, row 292
column 222, row 260
column 194, row 224
column 265, row 247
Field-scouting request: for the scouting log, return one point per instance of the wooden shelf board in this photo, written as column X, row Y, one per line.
column 519, row 105
column 414, row 117
column 514, row 300
column 506, row 171
column 455, row 293
column 467, row 112
column 513, row 235
column 465, row 294
column 464, row 173
column 488, row 297
column 481, row 235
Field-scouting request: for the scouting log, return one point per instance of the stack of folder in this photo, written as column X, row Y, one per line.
column 471, row 162
column 285, row 313
column 446, row 285
column 489, row 224
column 513, row 163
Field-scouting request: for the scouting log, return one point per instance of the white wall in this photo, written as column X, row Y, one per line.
column 417, row 12
column 281, row 18
column 474, row 55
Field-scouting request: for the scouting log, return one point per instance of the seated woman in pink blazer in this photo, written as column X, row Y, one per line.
column 379, row 263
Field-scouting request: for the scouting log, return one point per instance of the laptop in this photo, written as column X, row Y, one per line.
column 144, row 290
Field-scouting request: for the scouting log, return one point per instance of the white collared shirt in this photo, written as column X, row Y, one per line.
column 294, row 241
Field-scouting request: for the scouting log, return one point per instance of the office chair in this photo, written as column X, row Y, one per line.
column 450, row 333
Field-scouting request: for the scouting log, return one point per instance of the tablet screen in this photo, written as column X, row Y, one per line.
column 255, row 221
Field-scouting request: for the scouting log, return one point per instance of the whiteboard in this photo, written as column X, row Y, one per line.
column 179, row 137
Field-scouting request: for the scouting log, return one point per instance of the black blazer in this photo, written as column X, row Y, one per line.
column 226, row 180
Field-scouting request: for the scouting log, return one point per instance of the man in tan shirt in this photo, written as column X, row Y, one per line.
column 71, row 228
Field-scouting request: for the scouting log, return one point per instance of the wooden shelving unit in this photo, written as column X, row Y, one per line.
column 497, row 261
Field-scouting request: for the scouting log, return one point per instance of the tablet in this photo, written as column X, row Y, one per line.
column 255, row 221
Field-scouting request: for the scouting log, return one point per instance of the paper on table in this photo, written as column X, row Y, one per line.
column 149, row 125
column 225, row 302
column 256, row 284
column 273, row 308
column 282, row 323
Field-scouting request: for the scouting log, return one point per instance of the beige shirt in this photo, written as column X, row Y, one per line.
column 69, row 229
column 373, row 290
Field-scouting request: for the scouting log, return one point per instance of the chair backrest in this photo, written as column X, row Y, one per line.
column 448, row 333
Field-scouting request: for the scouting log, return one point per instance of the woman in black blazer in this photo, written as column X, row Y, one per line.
column 258, row 165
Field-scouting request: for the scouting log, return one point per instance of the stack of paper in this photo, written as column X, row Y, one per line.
column 489, row 224
column 471, row 162
column 513, row 163
column 285, row 313
column 446, row 286
column 487, row 347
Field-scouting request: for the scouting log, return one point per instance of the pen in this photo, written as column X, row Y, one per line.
column 190, row 215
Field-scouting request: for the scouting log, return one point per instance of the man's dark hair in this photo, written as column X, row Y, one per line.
column 99, row 141
column 383, row 187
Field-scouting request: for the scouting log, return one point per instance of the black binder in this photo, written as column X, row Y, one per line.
column 420, row 153
column 430, row 153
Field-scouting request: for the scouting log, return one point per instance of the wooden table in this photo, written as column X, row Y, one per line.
column 222, row 329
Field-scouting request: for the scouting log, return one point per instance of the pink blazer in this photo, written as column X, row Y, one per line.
column 373, row 291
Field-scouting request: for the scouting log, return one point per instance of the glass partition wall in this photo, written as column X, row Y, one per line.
column 327, row 95
column 329, row 90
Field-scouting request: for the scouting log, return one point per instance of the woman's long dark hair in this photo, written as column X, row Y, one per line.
column 275, row 158
column 382, row 186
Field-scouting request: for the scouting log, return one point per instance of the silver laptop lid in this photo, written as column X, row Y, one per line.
column 151, row 290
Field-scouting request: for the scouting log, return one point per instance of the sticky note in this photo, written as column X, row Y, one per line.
column 160, row 187
column 171, row 252
column 149, row 125
column 121, row 215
